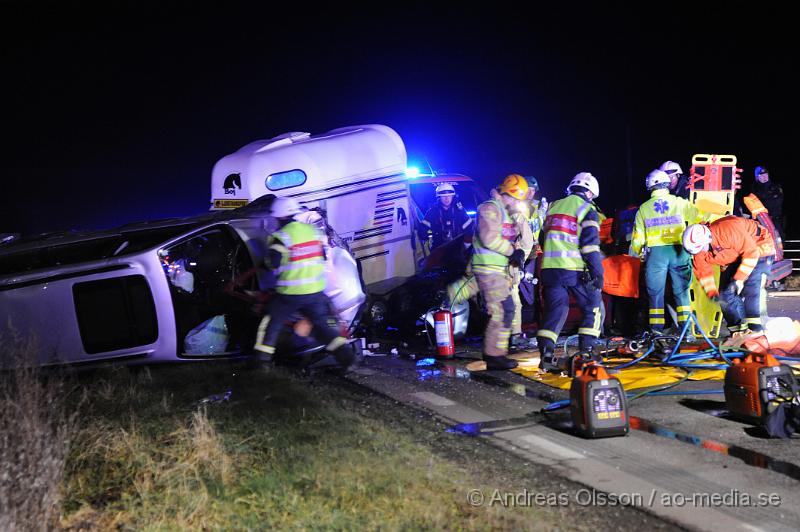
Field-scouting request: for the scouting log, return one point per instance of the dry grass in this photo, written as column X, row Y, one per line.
column 281, row 455
column 36, row 430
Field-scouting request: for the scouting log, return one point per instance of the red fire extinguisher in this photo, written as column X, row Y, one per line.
column 443, row 327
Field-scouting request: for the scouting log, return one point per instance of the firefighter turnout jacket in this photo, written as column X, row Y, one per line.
column 492, row 244
column 572, row 237
column 444, row 224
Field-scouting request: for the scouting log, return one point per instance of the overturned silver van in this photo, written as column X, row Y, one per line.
column 149, row 292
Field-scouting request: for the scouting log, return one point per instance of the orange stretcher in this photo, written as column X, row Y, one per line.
column 714, row 180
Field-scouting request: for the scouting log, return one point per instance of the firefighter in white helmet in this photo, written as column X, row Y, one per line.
column 571, row 264
column 745, row 250
column 297, row 256
column 446, row 219
column 657, row 232
column 678, row 181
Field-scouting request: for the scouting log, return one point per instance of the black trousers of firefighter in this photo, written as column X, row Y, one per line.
column 316, row 308
column 558, row 285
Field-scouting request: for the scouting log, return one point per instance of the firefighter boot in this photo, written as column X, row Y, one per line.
column 499, row 362
column 548, row 360
column 552, row 363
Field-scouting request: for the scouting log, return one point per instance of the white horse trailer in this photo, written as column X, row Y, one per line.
column 356, row 176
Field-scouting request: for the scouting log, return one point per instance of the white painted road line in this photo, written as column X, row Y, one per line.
column 551, row 447
column 433, row 398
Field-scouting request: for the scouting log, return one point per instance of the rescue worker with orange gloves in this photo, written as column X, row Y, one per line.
column 571, row 264
column 297, row 255
column 745, row 250
column 657, row 232
column 493, row 253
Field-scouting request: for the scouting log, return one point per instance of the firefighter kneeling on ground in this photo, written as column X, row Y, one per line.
column 745, row 250
column 571, row 263
column 297, row 255
column 493, row 252
column 658, row 229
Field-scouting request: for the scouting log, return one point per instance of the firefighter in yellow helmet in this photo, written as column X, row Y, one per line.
column 495, row 255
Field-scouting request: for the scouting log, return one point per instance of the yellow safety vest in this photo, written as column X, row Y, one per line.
column 302, row 268
column 562, row 238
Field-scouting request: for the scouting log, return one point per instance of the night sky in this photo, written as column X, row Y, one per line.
column 113, row 114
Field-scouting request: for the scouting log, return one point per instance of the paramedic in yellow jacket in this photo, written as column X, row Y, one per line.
column 658, row 229
column 493, row 252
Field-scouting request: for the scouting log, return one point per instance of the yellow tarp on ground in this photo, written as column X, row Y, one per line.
column 642, row 375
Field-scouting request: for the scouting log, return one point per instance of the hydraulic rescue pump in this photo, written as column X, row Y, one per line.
column 598, row 404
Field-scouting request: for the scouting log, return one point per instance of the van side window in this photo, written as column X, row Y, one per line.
column 282, row 180
column 115, row 313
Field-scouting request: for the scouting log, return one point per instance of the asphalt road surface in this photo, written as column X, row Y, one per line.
column 686, row 461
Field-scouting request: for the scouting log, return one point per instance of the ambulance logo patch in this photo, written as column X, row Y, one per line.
column 661, row 206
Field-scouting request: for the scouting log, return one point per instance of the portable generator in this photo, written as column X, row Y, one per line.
column 598, row 404
column 756, row 385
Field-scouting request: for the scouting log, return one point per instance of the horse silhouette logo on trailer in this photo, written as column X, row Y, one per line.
column 231, row 181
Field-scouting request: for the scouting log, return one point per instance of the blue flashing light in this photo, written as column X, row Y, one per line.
column 472, row 213
column 412, row 172
column 426, row 362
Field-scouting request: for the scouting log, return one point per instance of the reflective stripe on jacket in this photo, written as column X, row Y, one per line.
column 732, row 239
column 567, row 219
column 302, row 268
column 661, row 221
